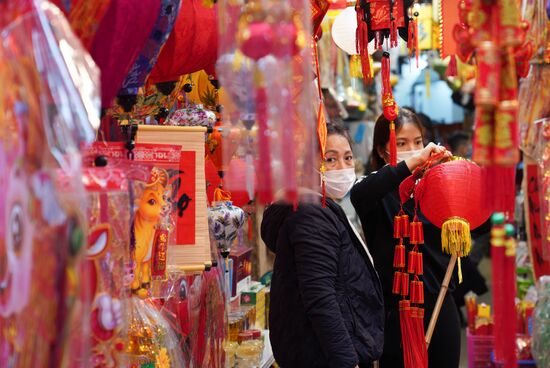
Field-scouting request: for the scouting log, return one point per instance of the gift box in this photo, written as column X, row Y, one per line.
column 255, row 296
column 242, row 266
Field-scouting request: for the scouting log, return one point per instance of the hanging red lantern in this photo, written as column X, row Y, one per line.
column 450, row 197
column 192, row 46
column 118, row 41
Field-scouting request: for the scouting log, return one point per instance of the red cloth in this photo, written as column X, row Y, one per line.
column 192, row 46
column 118, row 41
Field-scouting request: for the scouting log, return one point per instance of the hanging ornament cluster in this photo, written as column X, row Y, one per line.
column 496, row 34
column 384, row 20
column 264, row 63
column 407, row 282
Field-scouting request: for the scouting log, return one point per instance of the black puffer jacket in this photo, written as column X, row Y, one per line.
column 326, row 299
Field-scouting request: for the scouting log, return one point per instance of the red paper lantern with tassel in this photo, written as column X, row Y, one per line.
column 450, row 197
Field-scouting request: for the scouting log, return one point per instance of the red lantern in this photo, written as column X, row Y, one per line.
column 192, row 46
column 118, row 41
column 450, row 197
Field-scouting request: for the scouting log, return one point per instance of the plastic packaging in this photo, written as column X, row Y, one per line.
column 541, row 325
column 48, row 105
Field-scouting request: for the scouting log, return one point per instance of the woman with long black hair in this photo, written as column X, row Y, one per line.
column 376, row 200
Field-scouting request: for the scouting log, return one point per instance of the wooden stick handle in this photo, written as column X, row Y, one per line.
column 440, row 299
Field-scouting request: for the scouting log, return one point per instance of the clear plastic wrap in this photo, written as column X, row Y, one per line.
column 541, row 325
column 195, row 307
column 152, row 342
column 103, row 269
column 542, row 151
column 265, row 65
column 48, row 104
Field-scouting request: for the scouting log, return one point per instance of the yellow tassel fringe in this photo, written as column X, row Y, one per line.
column 455, row 237
column 355, row 70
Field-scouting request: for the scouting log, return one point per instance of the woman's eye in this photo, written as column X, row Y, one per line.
column 330, row 160
column 400, row 144
column 349, row 158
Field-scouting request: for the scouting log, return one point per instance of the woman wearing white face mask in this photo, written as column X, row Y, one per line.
column 376, row 199
column 326, row 299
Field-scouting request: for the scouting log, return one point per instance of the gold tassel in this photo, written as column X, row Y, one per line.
column 455, row 237
column 428, row 82
column 355, row 66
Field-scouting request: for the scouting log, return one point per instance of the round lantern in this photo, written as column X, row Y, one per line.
column 449, row 196
column 192, row 46
column 344, row 32
column 118, row 41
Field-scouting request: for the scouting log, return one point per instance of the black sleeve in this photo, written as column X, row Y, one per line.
column 316, row 244
column 367, row 192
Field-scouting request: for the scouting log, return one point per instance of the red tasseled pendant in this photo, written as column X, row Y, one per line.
column 397, row 227
column 452, row 69
column 405, row 226
column 416, row 48
column 404, row 284
column 399, row 256
column 411, row 262
column 500, row 184
column 362, row 44
column 397, row 283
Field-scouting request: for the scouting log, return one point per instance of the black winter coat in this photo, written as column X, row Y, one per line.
column 326, row 299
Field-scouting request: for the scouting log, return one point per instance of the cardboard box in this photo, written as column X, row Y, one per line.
column 255, row 296
column 242, row 266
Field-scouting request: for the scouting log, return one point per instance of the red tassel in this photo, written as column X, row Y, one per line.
column 452, row 68
column 397, row 282
column 411, row 262
column 417, row 49
column 500, row 185
column 404, row 284
column 405, row 226
column 410, row 35
column 393, row 145
column 419, row 263
column 399, row 256
column 362, row 44
column 397, row 227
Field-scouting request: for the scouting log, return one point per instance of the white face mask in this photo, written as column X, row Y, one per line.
column 339, row 182
column 402, row 156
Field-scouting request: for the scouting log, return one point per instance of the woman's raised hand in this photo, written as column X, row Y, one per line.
column 425, row 154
